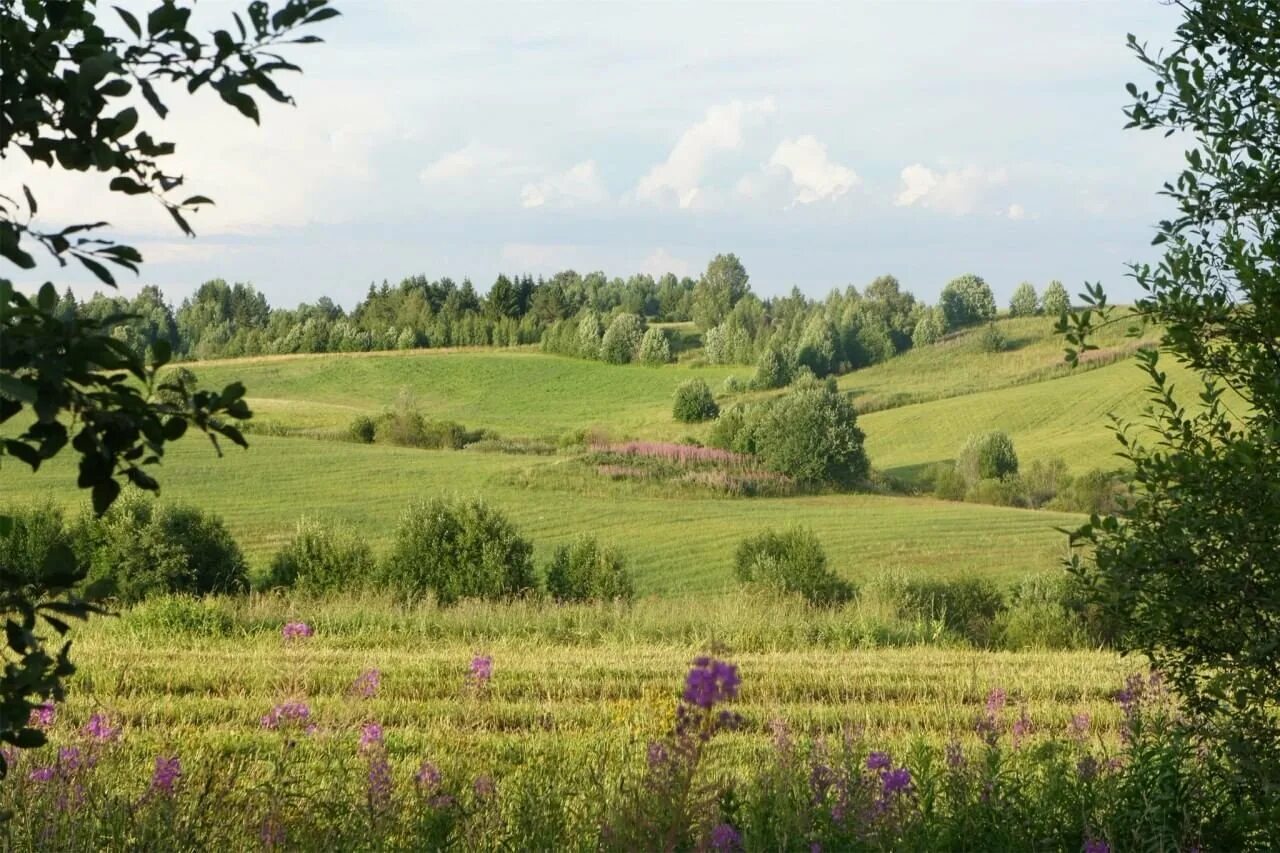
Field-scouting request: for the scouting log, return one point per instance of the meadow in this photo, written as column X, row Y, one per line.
column 573, row 696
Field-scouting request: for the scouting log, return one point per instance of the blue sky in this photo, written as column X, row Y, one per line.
column 823, row 143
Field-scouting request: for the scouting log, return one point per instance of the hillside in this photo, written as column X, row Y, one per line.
column 676, row 543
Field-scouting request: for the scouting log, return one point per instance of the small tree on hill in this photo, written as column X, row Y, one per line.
column 930, row 328
column 1055, row 300
column 694, row 402
column 987, row 456
column 655, row 349
column 1024, row 302
column 811, row 434
column 967, row 300
column 622, row 339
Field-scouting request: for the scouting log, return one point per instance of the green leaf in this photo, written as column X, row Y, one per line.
column 103, row 274
column 126, row 185
column 149, row 92
column 130, row 21
column 14, row 388
column 31, row 200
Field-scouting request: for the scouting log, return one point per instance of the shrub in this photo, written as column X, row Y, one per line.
column 182, row 616
column 363, row 429
column 990, row 339
column 655, row 349
column 948, row 483
column 967, row 606
column 322, row 558
column 143, row 548
column 694, row 402
column 589, row 334
column 622, row 339
column 967, row 300
column 811, row 435
column 733, row 385
column 1094, row 491
column 458, row 549
column 730, row 432
column 987, row 456
column 1055, row 300
column 1043, row 479
column 1036, row 618
column 772, row 370
column 586, row 571
column 35, row 532
column 1024, row 302
column 1007, row 491
column 929, row 329
column 790, row 562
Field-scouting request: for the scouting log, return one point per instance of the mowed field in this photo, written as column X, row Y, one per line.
column 676, row 544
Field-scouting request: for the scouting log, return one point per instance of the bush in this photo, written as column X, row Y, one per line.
column 622, row 339
column 929, row 329
column 363, row 429
column 322, row 558
column 1094, row 491
column 988, row 456
column 772, row 370
column 655, row 349
column 694, row 402
column 790, row 562
column 991, row 339
column 968, row 606
column 36, row 531
column 143, row 548
column 458, row 549
column 1044, row 479
column 729, row 432
column 586, row 571
column 1024, row 302
column 811, row 435
column 1008, row 491
column 589, row 334
column 1055, row 300
column 1036, row 618
column 948, row 483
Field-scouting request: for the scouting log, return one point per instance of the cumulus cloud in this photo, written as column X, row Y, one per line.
column 813, row 174
column 580, row 184
column 469, row 161
column 955, row 191
column 678, row 179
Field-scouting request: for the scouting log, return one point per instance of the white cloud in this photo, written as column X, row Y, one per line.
column 659, row 262
column 955, row 191
column 579, row 184
column 1016, row 211
column 678, row 178
column 813, row 174
column 466, row 162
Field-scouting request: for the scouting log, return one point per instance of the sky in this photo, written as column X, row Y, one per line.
column 823, row 143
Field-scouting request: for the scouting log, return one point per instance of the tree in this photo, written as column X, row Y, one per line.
column 1191, row 574
column 811, row 434
column 719, row 289
column 1024, row 302
column 930, row 328
column 967, row 300
column 694, row 402
column 589, row 335
column 62, row 81
column 1055, row 300
column 503, row 299
column 622, row 339
column 987, row 456
column 655, row 349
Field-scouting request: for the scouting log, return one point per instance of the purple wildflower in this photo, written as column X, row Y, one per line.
column 284, row 715
column 42, row 774
column 481, row 670
column 296, row 631
column 1087, row 768
column 781, row 737
column 955, row 755
column 428, row 777
column 995, row 702
column 165, row 776
column 370, row 737
column 879, row 761
column 367, row 683
column 896, row 781
column 724, row 838
column 484, row 787
column 1021, row 727
column 42, row 716
column 711, row 681
column 1096, row 845
column 99, row 728
column 656, row 756
column 379, row 780
column 821, row 778
column 1078, row 729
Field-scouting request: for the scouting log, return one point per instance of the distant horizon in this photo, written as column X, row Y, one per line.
column 641, row 138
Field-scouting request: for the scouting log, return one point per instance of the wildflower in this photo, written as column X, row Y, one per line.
column 289, row 712
column 1078, row 728
column 1087, row 768
column 428, row 777
column 296, row 631
column 988, row 724
column 42, row 774
column 896, row 781
column 821, row 777
column 995, row 702
column 879, row 761
column 70, row 760
column 781, row 737
column 367, row 683
column 656, row 755
column 711, row 681
column 99, row 728
column 1096, row 845
column 379, row 780
column 42, row 716
column 165, row 776
column 370, row 737
column 725, row 838
column 484, row 786
column 955, row 755
column 481, row 670
column 1021, row 727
